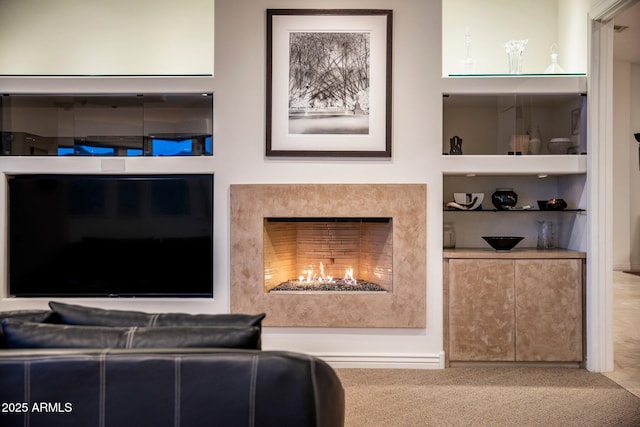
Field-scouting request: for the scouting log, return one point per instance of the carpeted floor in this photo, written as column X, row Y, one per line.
column 479, row 396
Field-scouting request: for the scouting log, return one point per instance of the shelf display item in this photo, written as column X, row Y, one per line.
column 467, row 201
column 519, row 144
column 515, row 52
column 468, row 63
column 448, row 236
column 503, row 243
column 561, row 146
column 535, row 145
column 554, row 67
column 542, row 205
column 535, row 140
column 504, row 199
column 545, row 235
column 455, row 146
column 556, row 204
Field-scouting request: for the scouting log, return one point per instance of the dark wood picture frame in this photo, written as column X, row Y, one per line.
column 329, row 82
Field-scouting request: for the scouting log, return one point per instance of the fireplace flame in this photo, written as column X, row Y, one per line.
column 309, row 276
column 348, row 276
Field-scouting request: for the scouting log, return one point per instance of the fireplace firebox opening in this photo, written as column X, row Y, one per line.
column 334, row 254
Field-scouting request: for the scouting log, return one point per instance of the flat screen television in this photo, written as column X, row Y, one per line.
column 108, row 235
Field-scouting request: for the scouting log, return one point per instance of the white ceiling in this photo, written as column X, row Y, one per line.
column 627, row 43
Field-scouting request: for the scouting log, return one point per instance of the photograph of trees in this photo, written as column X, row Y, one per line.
column 329, row 82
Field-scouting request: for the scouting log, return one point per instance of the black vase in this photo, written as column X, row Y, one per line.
column 504, row 198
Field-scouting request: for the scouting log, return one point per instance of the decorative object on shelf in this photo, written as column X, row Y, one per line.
column 317, row 99
column 575, row 121
column 503, row 243
column 535, row 140
column 561, row 146
column 468, row 64
column 519, row 144
column 556, row 204
column 448, row 236
column 504, row 198
column 542, row 205
column 515, row 51
column 467, row 201
column 554, row 67
column 535, row 146
column 456, row 145
column 545, row 235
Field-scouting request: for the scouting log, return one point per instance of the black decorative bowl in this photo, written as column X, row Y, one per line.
column 556, row 204
column 542, row 205
column 504, row 199
column 502, row 243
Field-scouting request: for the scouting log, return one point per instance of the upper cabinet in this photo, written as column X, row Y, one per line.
column 514, row 124
column 514, row 86
column 106, row 125
column 498, row 37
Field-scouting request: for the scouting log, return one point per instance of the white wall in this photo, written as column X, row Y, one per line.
column 626, row 174
column 623, row 157
column 239, row 130
column 94, row 37
column 239, row 147
column 634, row 172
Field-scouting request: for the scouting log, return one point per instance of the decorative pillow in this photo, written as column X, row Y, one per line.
column 21, row 334
column 80, row 315
column 38, row 316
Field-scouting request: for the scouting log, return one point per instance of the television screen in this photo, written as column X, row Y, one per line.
column 110, row 235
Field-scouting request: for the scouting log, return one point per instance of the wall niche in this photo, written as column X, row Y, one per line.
column 106, row 125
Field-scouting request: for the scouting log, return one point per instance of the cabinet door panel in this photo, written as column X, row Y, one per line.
column 481, row 307
column 549, row 310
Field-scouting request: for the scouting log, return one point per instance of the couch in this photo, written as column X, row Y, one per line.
column 80, row 366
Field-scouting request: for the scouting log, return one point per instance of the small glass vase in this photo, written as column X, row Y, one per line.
column 448, row 236
column 515, row 51
column 554, row 68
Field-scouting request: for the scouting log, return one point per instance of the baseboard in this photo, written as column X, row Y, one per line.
column 384, row 361
column 575, row 365
column 624, row 266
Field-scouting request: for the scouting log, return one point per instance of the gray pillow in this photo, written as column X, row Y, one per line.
column 72, row 314
column 21, row 334
column 26, row 315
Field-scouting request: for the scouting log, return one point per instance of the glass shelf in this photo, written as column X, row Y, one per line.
column 515, row 210
column 518, row 75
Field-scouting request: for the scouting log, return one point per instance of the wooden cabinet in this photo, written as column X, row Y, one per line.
column 521, row 306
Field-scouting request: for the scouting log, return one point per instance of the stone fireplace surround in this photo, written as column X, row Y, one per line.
column 405, row 204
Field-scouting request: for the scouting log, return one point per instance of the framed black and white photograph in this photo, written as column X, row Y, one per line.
column 328, row 82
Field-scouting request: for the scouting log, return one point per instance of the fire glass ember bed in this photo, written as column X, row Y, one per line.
column 310, row 254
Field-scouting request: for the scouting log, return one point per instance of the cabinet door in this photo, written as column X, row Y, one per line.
column 481, row 306
column 549, row 310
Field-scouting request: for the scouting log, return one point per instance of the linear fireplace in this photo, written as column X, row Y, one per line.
column 330, row 255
